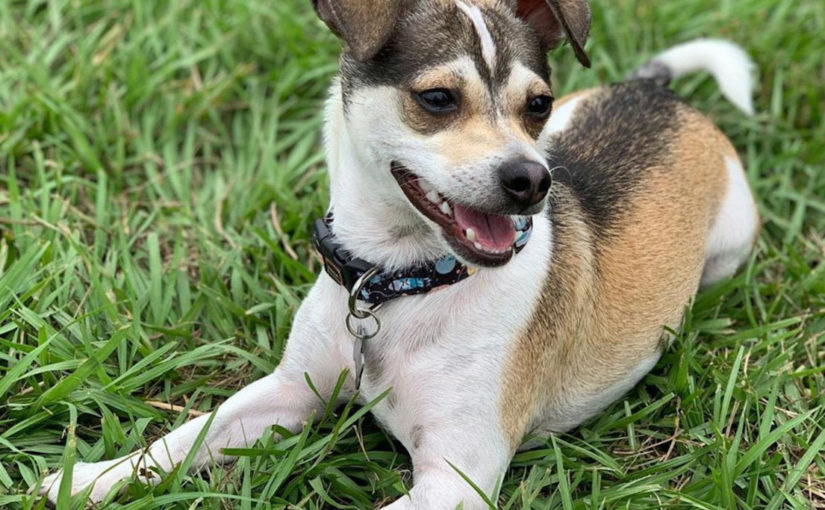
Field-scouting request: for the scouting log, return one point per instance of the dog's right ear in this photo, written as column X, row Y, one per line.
column 555, row 20
column 363, row 25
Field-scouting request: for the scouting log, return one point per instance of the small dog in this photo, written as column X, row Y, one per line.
column 504, row 271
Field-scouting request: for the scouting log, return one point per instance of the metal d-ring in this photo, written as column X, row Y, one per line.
column 357, row 287
column 357, row 332
column 362, row 313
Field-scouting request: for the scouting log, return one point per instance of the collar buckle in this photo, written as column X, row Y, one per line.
column 342, row 267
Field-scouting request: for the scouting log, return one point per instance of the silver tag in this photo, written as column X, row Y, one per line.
column 358, row 356
column 358, row 331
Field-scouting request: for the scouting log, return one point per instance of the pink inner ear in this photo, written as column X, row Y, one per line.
column 538, row 15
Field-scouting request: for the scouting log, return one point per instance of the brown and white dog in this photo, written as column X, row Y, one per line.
column 440, row 143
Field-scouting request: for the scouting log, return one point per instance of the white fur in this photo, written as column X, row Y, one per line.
column 488, row 46
column 561, row 118
column 447, row 375
column 362, row 218
column 728, row 63
column 734, row 230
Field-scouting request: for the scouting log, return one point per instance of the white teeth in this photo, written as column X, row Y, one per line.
column 424, row 185
column 470, row 234
column 445, row 208
column 433, row 197
column 478, row 246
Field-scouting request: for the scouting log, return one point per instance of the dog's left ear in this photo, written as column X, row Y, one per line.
column 363, row 25
column 555, row 20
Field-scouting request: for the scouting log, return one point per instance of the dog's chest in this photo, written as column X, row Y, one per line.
column 442, row 355
column 436, row 362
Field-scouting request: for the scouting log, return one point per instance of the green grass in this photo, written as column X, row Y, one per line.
column 159, row 171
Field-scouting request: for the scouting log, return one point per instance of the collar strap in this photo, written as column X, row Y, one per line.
column 385, row 286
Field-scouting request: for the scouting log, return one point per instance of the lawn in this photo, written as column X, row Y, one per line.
column 160, row 169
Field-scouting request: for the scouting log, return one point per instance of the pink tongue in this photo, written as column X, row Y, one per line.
column 494, row 233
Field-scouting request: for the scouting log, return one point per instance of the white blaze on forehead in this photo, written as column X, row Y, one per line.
column 488, row 47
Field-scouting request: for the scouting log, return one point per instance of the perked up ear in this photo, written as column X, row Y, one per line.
column 554, row 20
column 363, row 25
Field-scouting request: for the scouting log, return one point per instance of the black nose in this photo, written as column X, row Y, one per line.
column 525, row 182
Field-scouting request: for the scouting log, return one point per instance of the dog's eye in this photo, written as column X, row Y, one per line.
column 437, row 100
column 540, row 106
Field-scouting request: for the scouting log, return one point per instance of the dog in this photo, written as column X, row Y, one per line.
column 506, row 264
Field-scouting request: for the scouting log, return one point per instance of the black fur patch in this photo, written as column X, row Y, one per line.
column 614, row 139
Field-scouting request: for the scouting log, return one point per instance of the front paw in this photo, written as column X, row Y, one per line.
column 102, row 476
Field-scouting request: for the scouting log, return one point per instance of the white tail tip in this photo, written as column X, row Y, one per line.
column 728, row 63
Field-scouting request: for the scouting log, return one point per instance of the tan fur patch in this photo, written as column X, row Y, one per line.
column 604, row 307
column 522, row 86
column 472, row 139
column 547, row 342
column 427, row 123
column 480, row 126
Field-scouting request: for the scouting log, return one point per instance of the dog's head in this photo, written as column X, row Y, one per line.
column 447, row 98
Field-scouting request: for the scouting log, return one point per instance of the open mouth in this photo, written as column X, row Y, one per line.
column 480, row 238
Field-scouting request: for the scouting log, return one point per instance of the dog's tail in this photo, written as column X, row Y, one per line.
column 728, row 63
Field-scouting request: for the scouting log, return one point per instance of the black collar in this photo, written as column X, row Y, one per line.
column 385, row 286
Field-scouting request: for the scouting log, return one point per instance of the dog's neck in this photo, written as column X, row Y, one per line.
column 373, row 220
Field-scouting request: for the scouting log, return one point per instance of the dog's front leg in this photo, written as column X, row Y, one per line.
column 283, row 398
column 441, row 455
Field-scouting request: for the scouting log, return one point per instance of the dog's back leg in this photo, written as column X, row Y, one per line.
column 735, row 228
column 283, row 398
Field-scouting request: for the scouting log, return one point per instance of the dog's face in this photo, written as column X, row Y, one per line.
column 448, row 98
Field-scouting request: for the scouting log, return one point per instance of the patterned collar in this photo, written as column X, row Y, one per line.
column 385, row 286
